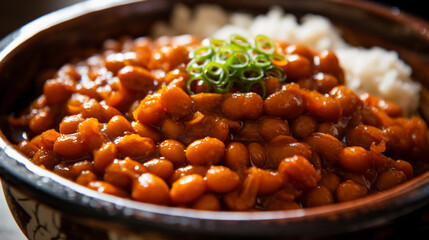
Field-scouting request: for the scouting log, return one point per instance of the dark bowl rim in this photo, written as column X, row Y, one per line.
column 43, row 183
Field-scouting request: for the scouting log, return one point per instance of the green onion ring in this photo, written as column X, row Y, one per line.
column 238, row 60
column 202, row 52
column 277, row 72
column 263, row 85
column 217, row 43
column 264, row 44
column 239, row 41
column 195, row 66
column 261, row 60
column 218, row 76
column 191, row 80
column 253, row 73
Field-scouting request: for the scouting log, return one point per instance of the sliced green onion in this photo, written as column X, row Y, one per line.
column 251, row 74
column 202, row 52
column 224, row 89
column 193, row 79
column 238, row 60
column 195, row 66
column 261, row 60
column 216, row 73
column 217, row 43
column 223, row 54
column 264, row 44
column 277, row 72
column 278, row 60
column 239, row 41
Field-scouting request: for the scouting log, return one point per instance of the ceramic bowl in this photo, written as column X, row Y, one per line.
column 47, row 206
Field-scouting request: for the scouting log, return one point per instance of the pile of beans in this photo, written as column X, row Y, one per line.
column 121, row 123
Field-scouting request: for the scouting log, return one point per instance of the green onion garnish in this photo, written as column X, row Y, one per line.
column 222, row 65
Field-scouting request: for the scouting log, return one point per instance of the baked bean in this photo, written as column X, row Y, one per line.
column 327, row 62
column 323, row 107
column 206, row 151
column 297, row 67
column 46, row 158
column 188, row 170
column 27, row 148
column 348, row 99
column 135, row 78
column 207, row 202
column 41, row 121
column 86, row 177
column 303, row 126
column 355, row 159
column 160, row 167
column 350, row 190
column 91, row 135
column 325, row 145
column 284, row 147
column 104, row 156
column 150, row 188
column 325, row 82
column 249, row 132
column 221, row 179
column 244, row 197
column 286, row 103
column 367, row 137
column 48, row 139
column 331, row 181
column 56, row 91
column 333, row 129
column 273, row 127
column 70, row 146
column 300, row 50
column 257, row 154
column 135, row 146
column 187, row 189
column 172, row 129
column 107, row 188
column 176, row 102
column 77, row 168
column 173, row 150
column 114, row 62
column 243, row 105
column 270, row 181
column 405, row 167
column 117, row 126
column 300, row 170
column 399, row 139
column 273, row 85
column 236, row 156
column 390, row 179
column 318, row 197
column 70, row 124
column 206, row 101
column 146, row 131
column 122, row 173
column 93, row 109
column 150, row 111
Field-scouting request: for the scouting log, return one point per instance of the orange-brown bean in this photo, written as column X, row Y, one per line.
column 207, row 202
column 150, row 110
column 300, row 170
column 221, row 179
column 327, row 146
column 70, row 124
column 303, row 126
column 173, row 150
column 187, row 189
column 257, row 154
column 273, row 127
column 176, row 102
column 122, row 173
column 236, row 156
column 117, row 126
column 135, row 146
column 135, row 78
column 243, row 105
column 206, row 151
column 355, row 159
column 150, row 188
column 160, row 167
column 350, row 190
column 104, row 156
column 70, row 146
column 390, row 179
column 297, row 67
column 107, row 188
column 318, row 197
column 286, row 103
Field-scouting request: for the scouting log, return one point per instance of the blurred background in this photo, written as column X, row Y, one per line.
column 16, row 13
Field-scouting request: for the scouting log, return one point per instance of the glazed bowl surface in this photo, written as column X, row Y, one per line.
column 76, row 212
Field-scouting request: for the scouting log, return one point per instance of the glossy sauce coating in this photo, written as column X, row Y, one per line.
column 121, row 123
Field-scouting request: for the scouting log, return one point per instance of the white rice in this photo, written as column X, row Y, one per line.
column 375, row 70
